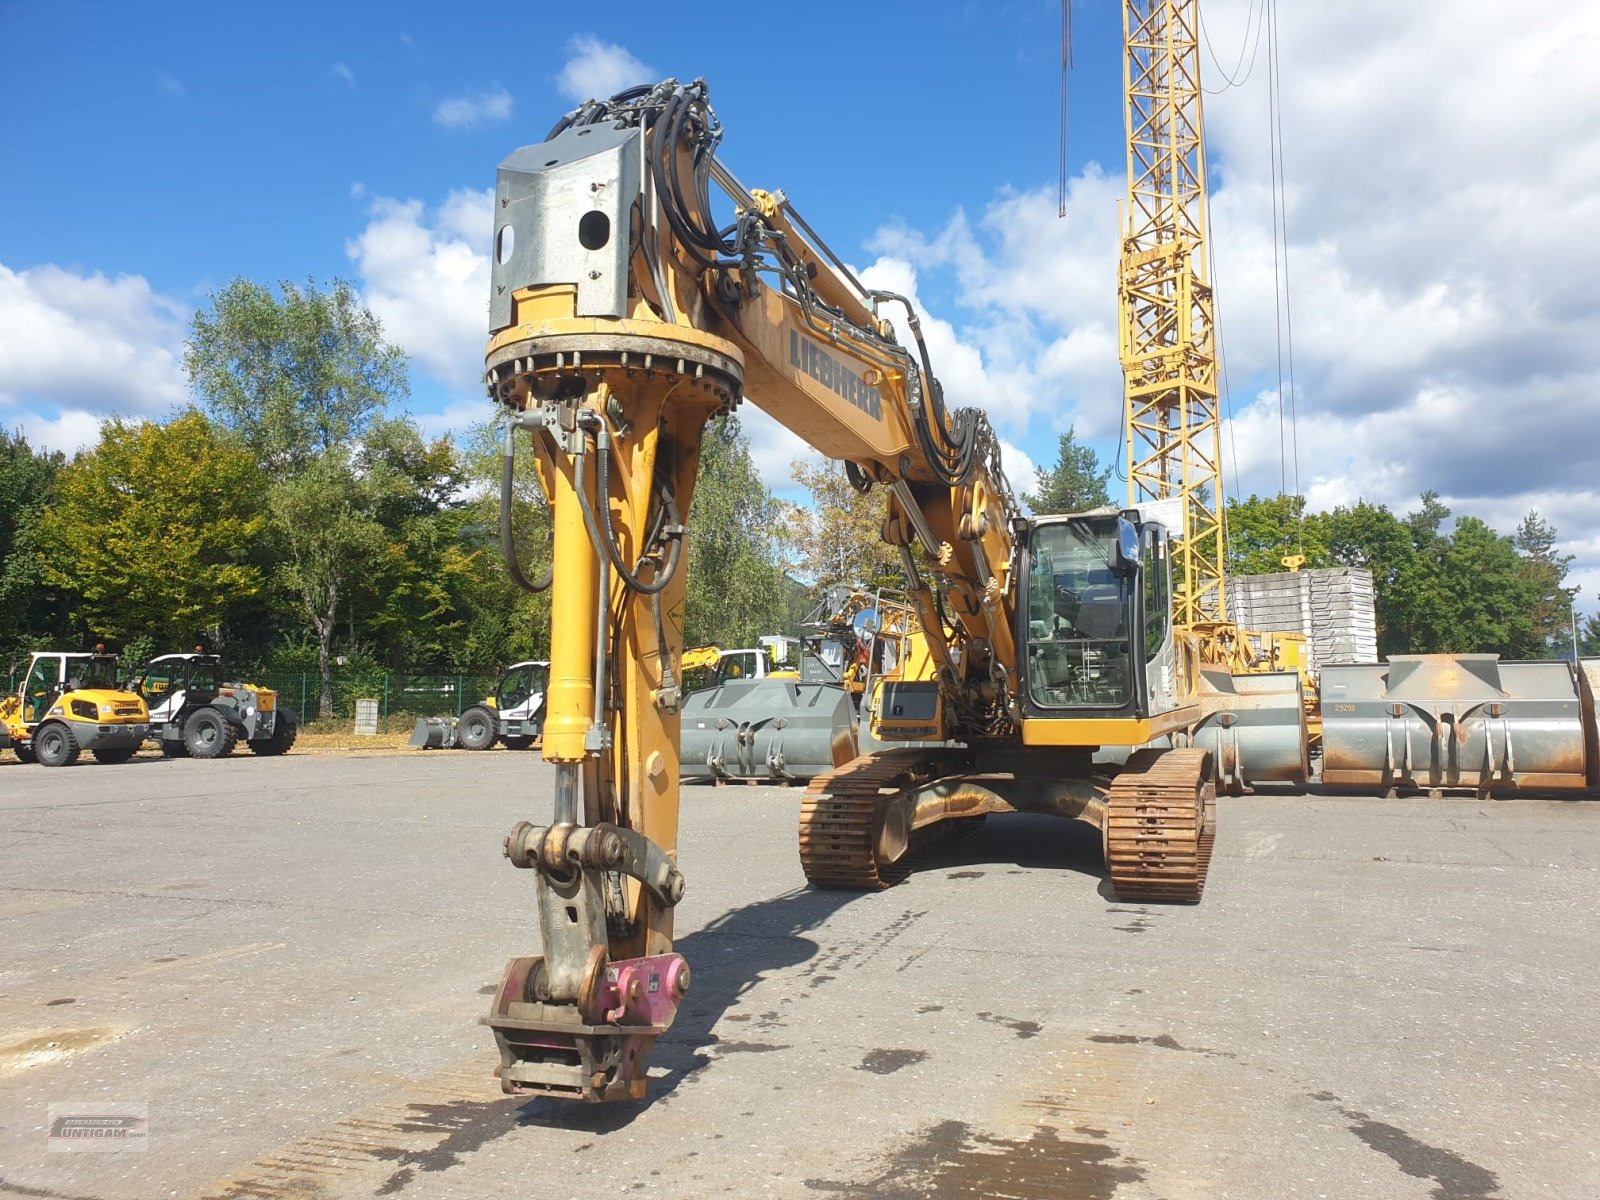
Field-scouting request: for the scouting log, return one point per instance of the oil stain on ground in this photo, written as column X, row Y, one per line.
column 1456, row 1178
column 887, row 1062
column 951, row 1159
column 1023, row 1029
column 1166, row 1041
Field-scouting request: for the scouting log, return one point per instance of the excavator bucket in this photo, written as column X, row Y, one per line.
column 434, row 733
column 1438, row 721
column 770, row 729
column 1254, row 726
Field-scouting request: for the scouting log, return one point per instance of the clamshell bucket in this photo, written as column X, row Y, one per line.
column 772, row 729
column 1456, row 721
column 434, row 733
column 1254, row 726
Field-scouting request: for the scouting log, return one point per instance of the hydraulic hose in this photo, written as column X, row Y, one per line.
column 508, row 540
column 605, row 539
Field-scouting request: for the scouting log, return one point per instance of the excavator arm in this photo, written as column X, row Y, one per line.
column 627, row 310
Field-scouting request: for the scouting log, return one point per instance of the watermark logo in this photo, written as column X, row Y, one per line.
column 101, row 1127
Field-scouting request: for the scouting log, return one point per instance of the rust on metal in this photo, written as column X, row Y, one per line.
column 1161, row 826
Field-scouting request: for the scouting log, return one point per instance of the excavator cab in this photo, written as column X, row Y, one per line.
column 1095, row 617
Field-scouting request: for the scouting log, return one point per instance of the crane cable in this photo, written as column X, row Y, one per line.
column 1283, row 311
column 1253, row 17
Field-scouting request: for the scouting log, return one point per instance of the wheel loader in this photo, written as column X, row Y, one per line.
column 514, row 715
column 69, row 703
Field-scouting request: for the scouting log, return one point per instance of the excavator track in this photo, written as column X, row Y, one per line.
column 839, row 823
column 1161, row 826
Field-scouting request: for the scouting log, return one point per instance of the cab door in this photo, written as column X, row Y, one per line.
column 40, row 687
column 162, row 689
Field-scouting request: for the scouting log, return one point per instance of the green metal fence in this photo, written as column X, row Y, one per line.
column 398, row 694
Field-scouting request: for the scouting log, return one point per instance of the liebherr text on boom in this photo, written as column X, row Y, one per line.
column 624, row 316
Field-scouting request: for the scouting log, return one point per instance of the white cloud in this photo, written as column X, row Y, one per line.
column 492, row 103
column 1444, row 307
column 68, row 431
column 76, row 347
column 595, row 70
column 456, row 417
column 344, row 73
column 425, row 273
column 773, row 449
column 171, row 86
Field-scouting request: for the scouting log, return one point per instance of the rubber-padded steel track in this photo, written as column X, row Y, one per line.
column 1161, row 826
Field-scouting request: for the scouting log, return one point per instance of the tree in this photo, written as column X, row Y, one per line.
column 29, row 607
column 1371, row 536
column 410, row 604
column 1589, row 634
column 294, row 375
column 737, row 590
column 302, row 378
column 1077, row 482
column 1545, row 572
column 1261, row 531
column 154, row 529
column 324, row 515
column 839, row 538
column 1489, row 602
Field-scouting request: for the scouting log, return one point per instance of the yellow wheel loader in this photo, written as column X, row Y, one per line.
column 69, row 703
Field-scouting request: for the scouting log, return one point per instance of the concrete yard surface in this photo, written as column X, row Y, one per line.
column 283, row 961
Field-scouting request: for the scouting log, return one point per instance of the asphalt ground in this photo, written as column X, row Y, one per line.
column 284, row 962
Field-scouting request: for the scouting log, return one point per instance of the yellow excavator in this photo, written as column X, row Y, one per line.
column 627, row 310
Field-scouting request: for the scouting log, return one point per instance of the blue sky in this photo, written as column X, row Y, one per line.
column 1440, row 163
column 189, row 142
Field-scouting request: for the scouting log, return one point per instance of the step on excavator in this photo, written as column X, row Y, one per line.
column 625, row 313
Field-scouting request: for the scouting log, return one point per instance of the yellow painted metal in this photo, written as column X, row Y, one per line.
column 699, row 658
column 1164, row 300
column 1106, row 731
column 569, row 699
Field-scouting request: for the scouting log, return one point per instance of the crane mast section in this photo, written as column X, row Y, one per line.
column 1166, row 313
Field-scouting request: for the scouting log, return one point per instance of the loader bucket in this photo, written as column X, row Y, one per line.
column 434, row 733
column 1455, row 721
column 1254, row 726
column 770, row 729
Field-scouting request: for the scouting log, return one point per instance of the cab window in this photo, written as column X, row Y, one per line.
column 1079, row 635
column 736, row 666
column 1157, row 590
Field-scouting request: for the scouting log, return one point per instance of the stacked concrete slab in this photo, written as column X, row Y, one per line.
column 1332, row 606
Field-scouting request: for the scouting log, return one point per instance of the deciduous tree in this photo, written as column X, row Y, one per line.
column 154, row 530
column 303, row 378
column 30, row 608
column 294, row 375
column 839, row 538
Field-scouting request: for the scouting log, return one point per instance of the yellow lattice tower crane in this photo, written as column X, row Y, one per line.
column 1169, row 359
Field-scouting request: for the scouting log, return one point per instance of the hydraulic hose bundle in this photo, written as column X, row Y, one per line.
column 674, row 115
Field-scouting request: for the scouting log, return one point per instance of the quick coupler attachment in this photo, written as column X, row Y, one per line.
column 594, row 1050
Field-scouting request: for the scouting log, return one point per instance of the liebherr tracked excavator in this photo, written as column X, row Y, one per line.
column 624, row 316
